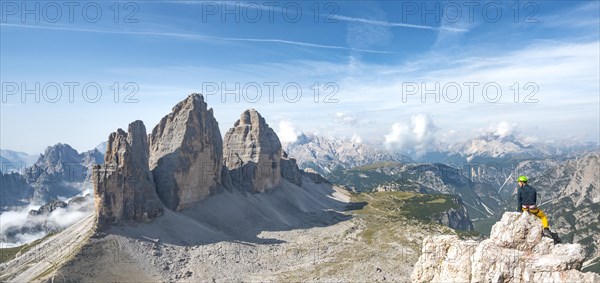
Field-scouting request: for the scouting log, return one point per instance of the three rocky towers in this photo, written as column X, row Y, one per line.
column 184, row 161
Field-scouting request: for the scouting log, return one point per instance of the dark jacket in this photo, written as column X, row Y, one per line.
column 526, row 196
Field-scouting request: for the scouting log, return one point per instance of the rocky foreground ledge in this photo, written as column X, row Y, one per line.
column 515, row 252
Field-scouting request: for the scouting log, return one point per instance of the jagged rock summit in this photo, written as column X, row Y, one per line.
column 515, row 252
column 186, row 150
column 252, row 153
column 123, row 186
column 58, row 163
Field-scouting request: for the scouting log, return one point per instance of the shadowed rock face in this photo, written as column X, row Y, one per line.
column 186, row 150
column 252, row 153
column 515, row 252
column 123, row 186
column 290, row 170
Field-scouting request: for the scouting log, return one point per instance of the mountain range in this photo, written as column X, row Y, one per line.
column 15, row 161
column 60, row 172
column 162, row 198
column 325, row 155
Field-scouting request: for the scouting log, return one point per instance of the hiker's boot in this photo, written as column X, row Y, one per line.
column 552, row 235
column 547, row 233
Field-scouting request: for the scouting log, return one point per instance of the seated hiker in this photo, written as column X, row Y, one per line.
column 527, row 197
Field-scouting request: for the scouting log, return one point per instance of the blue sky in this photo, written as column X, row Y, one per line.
column 364, row 57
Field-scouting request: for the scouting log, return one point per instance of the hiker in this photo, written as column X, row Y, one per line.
column 527, row 197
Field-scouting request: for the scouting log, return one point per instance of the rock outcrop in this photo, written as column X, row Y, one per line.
column 48, row 208
column 515, row 252
column 186, row 149
column 290, row 170
column 124, row 188
column 252, row 153
column 314, row 176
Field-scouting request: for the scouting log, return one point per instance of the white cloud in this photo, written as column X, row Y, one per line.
column 14, row 218
column 502, row 129
column 18, row 227
column 287, row 132
column 416, row 136
column 356, row 139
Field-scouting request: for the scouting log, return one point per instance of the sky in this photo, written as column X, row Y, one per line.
column 400, row 73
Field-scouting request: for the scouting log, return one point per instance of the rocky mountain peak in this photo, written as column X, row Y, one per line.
column 515, row 252
column 252, row 153
column 138, row 142
column 186, row 149
column 58, row 153
column 194, row 100
column 59, row 163
column 123, row 186
column 250, row 117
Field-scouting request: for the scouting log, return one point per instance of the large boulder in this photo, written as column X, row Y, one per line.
column 186, row 149
column 515, row 252
column 252, row 153
column 444, row 259
column 123, row 186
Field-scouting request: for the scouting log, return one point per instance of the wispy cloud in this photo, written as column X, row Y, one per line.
column 270, row 8
column 393, row 24
column 191, row 36
column 305, row 44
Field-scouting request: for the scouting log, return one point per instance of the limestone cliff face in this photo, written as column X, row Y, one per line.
column 186, row 149
column 123, row 185
column 253, row 155
column 515, row 252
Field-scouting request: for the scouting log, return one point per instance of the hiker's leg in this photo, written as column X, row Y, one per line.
column 543, row 217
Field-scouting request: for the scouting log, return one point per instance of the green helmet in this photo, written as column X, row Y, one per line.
column 522, row 179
